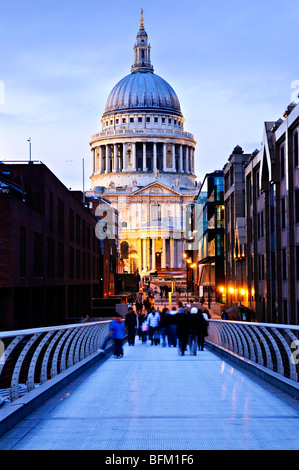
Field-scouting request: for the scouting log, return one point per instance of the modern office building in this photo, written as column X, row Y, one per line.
column 209, row 237
column 272, row 219
column 235, row 228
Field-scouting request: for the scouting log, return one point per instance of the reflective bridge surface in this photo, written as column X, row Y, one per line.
column 153, row 398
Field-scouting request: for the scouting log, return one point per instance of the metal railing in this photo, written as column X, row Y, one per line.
column 273, row 346
column 29, row 358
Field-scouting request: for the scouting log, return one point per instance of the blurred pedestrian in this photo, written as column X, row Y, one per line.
column 153, row 320
column 182, row 329
column 131, row 325
column 202, row 331
column 117, row 333
column 194, row 324
column 163, row 326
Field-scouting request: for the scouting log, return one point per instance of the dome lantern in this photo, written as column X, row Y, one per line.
column 142, row 51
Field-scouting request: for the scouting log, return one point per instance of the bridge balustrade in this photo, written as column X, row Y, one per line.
column 271, row 346
column 30, row 358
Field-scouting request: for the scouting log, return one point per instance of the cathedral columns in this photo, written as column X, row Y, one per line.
column 134, row 156
column 164, row 156
column 171, row 246
column 155, row 155
column 163, row 254
column 93, row 160
column 125, row 157
column 181, row 159
column 173, row 157
column 115, row 166
column 107, row 158
column 153, row 254
column 144, row 157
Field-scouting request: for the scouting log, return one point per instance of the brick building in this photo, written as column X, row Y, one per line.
column 49, row 253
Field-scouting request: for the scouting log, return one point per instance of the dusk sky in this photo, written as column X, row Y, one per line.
column 232, row 64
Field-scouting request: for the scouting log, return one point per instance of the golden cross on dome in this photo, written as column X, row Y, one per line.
column 141, row 20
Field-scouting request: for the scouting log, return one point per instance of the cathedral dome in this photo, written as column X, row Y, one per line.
column 142, row 91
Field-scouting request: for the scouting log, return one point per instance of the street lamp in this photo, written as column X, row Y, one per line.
column 29, row 140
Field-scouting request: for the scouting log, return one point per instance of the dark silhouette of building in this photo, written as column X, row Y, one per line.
column 49, row 252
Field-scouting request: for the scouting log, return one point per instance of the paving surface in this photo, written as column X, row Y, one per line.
column 155, row 399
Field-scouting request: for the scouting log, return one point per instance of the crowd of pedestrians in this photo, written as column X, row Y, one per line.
column 186, row 326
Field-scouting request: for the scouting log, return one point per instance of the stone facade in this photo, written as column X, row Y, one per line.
column 143, row 162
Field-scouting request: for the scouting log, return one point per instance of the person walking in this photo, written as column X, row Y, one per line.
column 202, row 331
column 131, row 325
column 153, row 320
column 163, row 325
column 117, row 333
column 172, row 328
column 194, row 324
column 182, row 329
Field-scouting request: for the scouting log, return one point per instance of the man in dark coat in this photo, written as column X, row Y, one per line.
column 182, row 329
column 131, row 324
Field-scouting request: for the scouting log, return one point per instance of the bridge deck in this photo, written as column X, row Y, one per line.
column 155, row 399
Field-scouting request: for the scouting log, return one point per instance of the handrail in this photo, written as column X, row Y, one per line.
column 29, row 358
column 273, row 346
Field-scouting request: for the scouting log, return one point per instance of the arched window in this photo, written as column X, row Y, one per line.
column 124, row 250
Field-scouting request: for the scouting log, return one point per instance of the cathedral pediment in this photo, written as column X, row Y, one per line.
column 156, row 189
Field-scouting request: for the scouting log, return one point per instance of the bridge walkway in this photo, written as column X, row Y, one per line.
column 155, row 399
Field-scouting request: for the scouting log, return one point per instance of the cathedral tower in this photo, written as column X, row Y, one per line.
column 143, row 163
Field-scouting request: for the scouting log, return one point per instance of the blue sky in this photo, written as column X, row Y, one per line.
column 232, row 65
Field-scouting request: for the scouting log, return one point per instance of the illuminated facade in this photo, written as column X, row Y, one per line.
column 143, row 163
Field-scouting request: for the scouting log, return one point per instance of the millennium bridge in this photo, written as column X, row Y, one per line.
column 60, row 391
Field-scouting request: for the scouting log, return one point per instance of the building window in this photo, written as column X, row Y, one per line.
column 60, row 217
column 148, row 119
column 60, row 260
column 156, row 119
column 51, row 210
column 71, row 263
column 71, row 225
column 83, row 265
column 260, row 225
column 124, row 120
column 124, row 250
column 78, row 264
column 131, row 119
column 284, row 264
column 140, row 119
column 116, row 121
column 156, row 212
column 283, row 213
column 51, row 258
column 83, row 233
column 282, row 163
column 78, row 225
column 163, row 120
column 257, row 184
column 22, row 252
column 38, row 267
column 88, row 236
